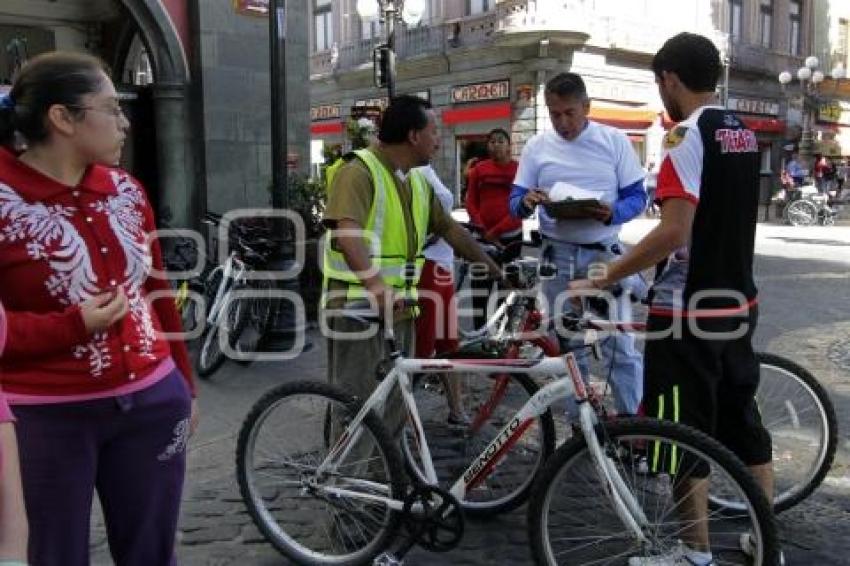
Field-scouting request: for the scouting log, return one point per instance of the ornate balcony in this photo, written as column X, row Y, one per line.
column 757, row 59
column 521, row 22
column 515, row 23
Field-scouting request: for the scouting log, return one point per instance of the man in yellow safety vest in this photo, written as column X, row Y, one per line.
column 379, row 214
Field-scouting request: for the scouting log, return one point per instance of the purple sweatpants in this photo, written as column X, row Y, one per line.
column 131, row 449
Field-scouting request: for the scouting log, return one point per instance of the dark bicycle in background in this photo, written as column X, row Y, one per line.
column 239, row 296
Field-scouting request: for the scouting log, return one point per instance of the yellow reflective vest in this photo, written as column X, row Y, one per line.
column 385, row 234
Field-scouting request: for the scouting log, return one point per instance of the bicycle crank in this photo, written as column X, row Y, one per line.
column 433, row 518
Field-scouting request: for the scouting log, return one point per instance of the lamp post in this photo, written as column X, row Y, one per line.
column 277, row 59
column 810, row 79
column 389, row 12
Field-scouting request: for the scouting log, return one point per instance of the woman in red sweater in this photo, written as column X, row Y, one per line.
column 102, row 399
column 487, row 196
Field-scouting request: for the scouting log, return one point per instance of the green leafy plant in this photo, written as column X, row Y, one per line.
column 306, row 197
column 359, row 131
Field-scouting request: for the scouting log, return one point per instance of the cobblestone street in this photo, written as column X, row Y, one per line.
column 805, row 315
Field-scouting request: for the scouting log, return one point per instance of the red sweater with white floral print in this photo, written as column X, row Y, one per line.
column 61, row 245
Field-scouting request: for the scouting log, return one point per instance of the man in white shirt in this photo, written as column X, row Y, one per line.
column 597, row 160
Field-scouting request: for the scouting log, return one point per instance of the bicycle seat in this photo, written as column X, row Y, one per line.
column 212, row 218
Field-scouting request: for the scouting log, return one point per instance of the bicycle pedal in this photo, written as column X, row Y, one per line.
column 387, row 559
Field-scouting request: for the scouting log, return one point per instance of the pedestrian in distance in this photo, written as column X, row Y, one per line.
column 487, row 201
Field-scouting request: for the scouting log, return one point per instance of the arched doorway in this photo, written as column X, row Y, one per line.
column 135, row 33
column 152, row 62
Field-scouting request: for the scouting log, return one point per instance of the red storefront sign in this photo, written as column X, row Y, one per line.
column 326, row 128
column 755, row 123
column 480, row 113
column 767, row 125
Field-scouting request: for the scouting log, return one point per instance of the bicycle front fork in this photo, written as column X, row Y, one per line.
column 624, row 502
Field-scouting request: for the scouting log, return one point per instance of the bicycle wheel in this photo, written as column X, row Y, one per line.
column 495, row 398
column 281, row 444
column 801, row 213
column 233, row 321
column 800, row 417
column 258, row 316
column 573, row 520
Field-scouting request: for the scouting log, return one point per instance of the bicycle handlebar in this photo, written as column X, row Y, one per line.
column 364, row 311
column 583, row 324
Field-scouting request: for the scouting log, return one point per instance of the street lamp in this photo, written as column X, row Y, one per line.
column 810, row 79
column 389, row 12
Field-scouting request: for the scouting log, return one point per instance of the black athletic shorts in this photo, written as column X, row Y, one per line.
column 704, row 379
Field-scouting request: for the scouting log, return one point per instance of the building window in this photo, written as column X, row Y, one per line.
column 765, row 158
column 843, row 36
column 370, row 29
column 478, row 6
column 795, row 11
column 766, row 23
column 323, row 25
column 735, row 12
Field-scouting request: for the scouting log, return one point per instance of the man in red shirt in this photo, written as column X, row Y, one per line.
column 487, row 202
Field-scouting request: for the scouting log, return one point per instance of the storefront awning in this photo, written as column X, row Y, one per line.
column 326, row 128
column 627, row 118
column 763, row 124
column 477, row 113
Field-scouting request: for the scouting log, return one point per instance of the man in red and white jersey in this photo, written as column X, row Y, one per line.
column 699, row 367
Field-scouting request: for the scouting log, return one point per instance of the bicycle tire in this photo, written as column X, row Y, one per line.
column 456, row 450
column 622, row 439
column 210, row 356
column 298, row 415
column 258, row 317
column 801, row 213
column 783, row 393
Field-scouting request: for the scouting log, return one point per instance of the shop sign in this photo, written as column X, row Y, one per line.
column 835, row 112
column 618, row 90
column 251, row 7
column 754, row 106
column 383, row 101
column 497, row 90
column 325, row 112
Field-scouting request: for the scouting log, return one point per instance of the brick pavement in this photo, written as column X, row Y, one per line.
column 805, row 312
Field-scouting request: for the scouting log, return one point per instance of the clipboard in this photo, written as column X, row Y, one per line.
column 571, row 208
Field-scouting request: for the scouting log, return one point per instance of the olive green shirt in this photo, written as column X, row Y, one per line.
column 350, row 197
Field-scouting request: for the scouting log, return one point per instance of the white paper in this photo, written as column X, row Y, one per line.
column 563, row 191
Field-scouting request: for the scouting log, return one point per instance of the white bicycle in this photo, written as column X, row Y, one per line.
column 323, row 479
column 229, row 313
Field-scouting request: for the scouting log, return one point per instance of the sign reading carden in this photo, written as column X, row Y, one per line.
column 497, row 90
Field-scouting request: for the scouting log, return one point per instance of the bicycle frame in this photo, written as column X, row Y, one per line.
column 232, row 270
column 568, row 382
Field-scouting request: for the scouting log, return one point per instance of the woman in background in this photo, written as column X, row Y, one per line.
column 487, row 196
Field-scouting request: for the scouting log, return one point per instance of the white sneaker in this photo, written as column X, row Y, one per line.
column 748, row 547
column 680, row 555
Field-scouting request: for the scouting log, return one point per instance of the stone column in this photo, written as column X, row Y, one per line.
column 175, row 150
